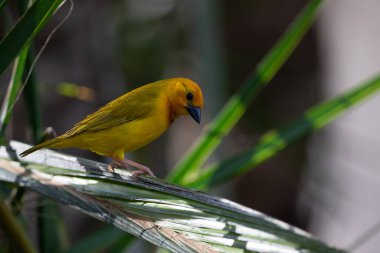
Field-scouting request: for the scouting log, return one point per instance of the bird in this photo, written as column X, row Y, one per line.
column 131, row 121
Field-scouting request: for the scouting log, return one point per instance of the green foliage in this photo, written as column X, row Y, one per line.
column 189, row 167
column 13, row 228
column 278, row 139
column 52, row 230
column 169, row 216
column 26, row 28
column 12, row 92
column 15, row 46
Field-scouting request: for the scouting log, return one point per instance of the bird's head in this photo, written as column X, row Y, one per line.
column 186, row 98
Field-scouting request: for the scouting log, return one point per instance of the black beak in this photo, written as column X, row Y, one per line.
column 195, row 112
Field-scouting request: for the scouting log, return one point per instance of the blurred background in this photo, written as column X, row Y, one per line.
column 326, row 184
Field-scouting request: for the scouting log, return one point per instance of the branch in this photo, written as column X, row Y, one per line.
column 169, row 216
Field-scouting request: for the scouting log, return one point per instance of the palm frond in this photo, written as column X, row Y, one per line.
column 169, row 216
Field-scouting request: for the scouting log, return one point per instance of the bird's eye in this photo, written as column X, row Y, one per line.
column 189, row 96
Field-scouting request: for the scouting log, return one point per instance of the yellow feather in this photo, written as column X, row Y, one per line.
column 132, row 120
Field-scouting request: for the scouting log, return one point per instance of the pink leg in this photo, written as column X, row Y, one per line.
column 124, row 163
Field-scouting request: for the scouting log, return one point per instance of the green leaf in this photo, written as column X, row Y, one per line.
column 27, row 27
column 32, row 104
column 276, row 140
column 12, row 92
column 32, row 101
column 189, row 167
column 52, row 236
column 13, row 228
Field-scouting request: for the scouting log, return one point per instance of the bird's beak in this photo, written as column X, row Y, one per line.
column 195, row 112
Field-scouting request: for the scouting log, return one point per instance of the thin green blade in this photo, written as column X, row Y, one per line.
column 52, row 229
column 12, row 92
column 3, row 3
column 189, row 167
column 27, row 27
column 13, row 228
column 276, row 140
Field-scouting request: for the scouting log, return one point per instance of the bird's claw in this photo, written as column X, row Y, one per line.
column 111, row 167
column 137, row 173
column 124, row 163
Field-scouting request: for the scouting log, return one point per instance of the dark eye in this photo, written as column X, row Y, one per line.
column 189, row 96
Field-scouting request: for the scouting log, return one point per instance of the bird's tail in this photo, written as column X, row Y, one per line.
column 53, row 143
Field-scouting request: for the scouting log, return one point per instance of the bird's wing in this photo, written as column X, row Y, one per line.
column 131, row 106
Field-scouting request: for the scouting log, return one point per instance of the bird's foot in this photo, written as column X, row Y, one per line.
column 125, row 163
column 142, row 170
column 137, row 173
column 111, row 167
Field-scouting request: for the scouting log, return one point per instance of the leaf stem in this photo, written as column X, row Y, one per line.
column 14, row 229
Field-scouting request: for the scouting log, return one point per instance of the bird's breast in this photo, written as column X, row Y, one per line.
column 138, row 133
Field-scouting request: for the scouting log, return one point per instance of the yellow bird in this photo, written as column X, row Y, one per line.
column 132, row 121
